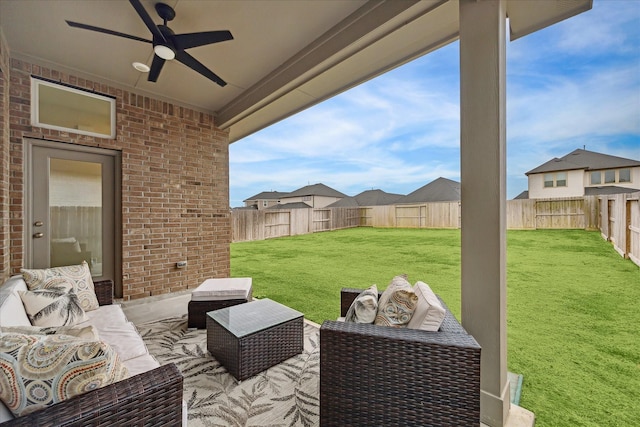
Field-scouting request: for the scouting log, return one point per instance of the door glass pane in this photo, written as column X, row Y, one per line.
column 75, row 208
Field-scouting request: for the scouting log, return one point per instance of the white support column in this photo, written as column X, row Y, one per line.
column 483, row 180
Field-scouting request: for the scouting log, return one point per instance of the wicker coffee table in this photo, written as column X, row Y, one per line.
column 249, row 338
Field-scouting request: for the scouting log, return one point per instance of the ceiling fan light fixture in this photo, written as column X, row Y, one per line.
column 164, row 52
column 143, row 68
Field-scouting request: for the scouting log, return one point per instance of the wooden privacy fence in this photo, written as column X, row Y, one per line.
column 617, row 217
column 251, row 224
column 619, row 223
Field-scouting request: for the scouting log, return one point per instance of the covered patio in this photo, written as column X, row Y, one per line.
column 172, row 136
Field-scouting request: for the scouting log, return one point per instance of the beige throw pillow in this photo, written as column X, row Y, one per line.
column 78, row 275
column 429, row 313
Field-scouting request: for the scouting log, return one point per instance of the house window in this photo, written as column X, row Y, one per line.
column 306, row 198
column 596, row 178
column 561, row 179
column 548, row 180
column 264, row 203
column 558, row 179
column 624, row 175
column 609, row 177
column 60, row 107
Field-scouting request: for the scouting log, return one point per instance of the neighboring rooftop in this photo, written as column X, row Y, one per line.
column 439, row 190
column 266, row 195
column 315, row 190
column 584, row 159
column 368, row 198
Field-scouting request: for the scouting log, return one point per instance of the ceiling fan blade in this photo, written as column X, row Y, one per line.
column 147, row 20
column 106, row 31
column 195, row 65
column 156, row 67
column 185, row 41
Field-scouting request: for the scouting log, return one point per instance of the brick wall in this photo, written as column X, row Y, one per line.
column 175, row 184
column 4, row 161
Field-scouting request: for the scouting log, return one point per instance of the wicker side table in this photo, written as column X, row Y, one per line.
column 214, row 294
column 249, row 338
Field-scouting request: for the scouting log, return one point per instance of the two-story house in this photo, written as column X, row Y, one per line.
column 314, row 196
column 583, row 173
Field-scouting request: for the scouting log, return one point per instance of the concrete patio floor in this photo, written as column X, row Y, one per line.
column 160, row 307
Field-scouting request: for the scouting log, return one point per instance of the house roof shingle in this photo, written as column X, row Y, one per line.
column 584, row 159
column 438, row 190
column 368, row 198
column 315, row 190
column 266, row 195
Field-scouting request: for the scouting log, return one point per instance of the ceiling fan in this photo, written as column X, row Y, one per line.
column 166, row 44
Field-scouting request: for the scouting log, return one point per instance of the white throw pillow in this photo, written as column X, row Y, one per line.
column 365, row 307
column 78, row 275
column 429, row 313
column 54, row 306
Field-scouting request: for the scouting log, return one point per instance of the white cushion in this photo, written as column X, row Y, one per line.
column 5, row 413
column 106, row 314
column 222, row 289
column 12, row 312
column 429, row 313
column 125, row 340
column 140, row 364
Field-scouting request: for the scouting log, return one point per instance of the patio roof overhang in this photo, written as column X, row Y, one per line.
column 285, row 57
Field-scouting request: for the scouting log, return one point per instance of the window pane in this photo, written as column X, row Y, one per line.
column 561, row 179
column 548, row 180
column 596, row 178
column 75, row 203
column 609, row 176
column 73, row 110
column 624, row 175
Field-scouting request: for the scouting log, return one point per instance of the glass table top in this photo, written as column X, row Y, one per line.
column 251, row 317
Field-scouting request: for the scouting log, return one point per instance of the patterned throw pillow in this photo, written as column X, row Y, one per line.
column 88, row 332
column 39, row 370
column 56, row 305
column 397, row 303
column 78, row 275
column 365, row 307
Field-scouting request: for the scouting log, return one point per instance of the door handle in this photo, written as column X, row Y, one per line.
column 38, row 235
column 38, row 224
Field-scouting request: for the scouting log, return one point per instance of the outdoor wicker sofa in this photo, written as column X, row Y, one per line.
column 385, row 376
column 151, row 398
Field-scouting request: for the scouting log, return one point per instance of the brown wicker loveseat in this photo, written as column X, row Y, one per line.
column 152, row 398
column 382, row 376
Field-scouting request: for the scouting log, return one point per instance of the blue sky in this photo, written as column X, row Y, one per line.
column 572, row 85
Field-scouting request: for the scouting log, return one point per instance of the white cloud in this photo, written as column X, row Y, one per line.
column 576, row 83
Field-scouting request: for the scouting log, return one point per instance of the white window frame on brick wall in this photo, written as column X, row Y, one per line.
column 62, row 107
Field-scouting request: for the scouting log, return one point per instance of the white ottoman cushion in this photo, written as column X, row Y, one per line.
column 222, row 289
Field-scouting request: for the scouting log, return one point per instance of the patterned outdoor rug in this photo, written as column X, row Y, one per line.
column 284, row 395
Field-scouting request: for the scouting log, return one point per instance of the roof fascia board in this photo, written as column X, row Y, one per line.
column 569, row 8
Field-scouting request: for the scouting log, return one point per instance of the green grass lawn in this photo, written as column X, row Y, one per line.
column 573, row 313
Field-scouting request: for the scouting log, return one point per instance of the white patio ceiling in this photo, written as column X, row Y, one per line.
column 285, row 56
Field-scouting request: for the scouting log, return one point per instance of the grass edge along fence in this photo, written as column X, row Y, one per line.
column 616, row 216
